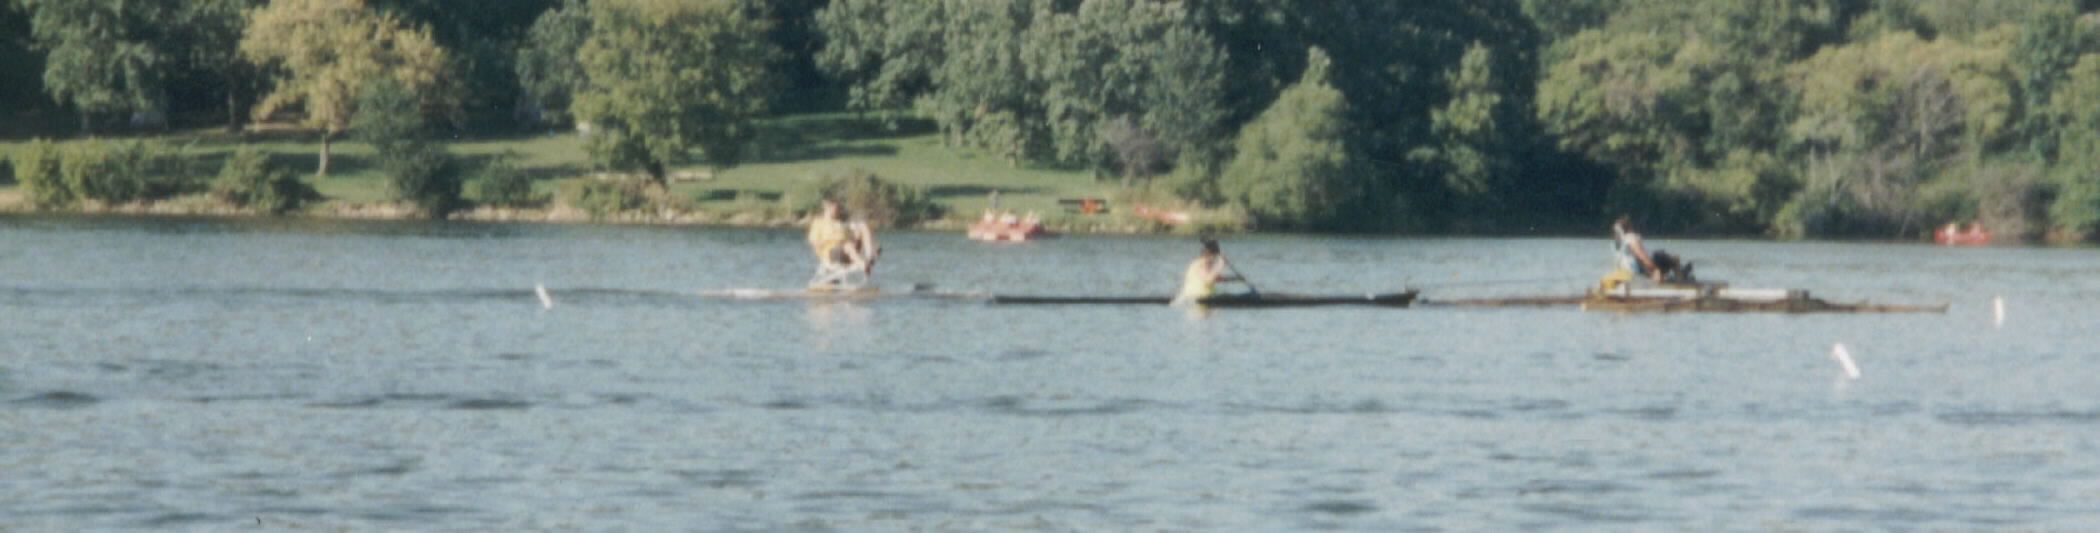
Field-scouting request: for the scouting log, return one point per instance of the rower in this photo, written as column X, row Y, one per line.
column 1201, row 279
column 1634, row 258
column 841, row 248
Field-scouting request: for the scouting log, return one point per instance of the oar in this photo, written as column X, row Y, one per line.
column 1235, row 269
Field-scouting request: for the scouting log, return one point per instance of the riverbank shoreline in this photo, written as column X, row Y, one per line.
column 14, row 202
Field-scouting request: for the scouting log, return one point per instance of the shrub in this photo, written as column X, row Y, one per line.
column 418, row 169
column 501, row 182
column 154, row 170
column 867, row 197
column 119, row 172
column 2009, row 197
column 37, row 170
column 604, row 197
column 427, row 176
column 93, row 173
column 250, row 180
column 1295, row 166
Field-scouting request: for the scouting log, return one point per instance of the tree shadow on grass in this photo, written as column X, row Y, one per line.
column 220, row 138
column 958, row 191
column 834, row 128
column 304, row 163
column 206, row 166
column 726, row 195
column 790, row 150
column 829, row 137
column 553, row 172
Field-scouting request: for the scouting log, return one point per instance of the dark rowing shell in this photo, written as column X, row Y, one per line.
column 1261, row 300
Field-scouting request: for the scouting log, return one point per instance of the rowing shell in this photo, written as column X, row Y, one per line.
column 856, row 293
column 1250, row 300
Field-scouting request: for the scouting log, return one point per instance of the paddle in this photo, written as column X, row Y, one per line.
column 1243, row 278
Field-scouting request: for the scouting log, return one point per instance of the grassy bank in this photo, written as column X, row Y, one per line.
column 794, row 151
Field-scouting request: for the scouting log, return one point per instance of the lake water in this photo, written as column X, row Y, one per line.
column 210, row 375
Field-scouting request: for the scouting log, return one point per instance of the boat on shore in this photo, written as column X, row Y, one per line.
column 1238, row 300
column 1006, row 227
column 1955, row 235
column 1711, row 298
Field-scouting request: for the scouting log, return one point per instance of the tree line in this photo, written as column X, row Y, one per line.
column 1879, row 118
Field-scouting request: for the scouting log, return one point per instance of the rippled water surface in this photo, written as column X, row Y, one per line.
column 174, row 374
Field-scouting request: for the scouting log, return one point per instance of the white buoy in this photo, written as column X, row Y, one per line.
column 546, row 302
column 1998, row 311
column 1844, row 359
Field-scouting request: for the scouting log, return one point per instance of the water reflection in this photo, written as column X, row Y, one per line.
column 832, row 316
column 1192, row 311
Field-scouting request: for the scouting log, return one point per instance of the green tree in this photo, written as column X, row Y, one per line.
column 148, row 58
column 1471, row 128
column 1037, row 80
column 1880, row 119
column 389, row 118
column 794, row 30
column 101, row 55
column 1389, row 59
column 666, row 78
column 1130, row 83
column 1965, row 19
column 1688, row 102
column 887, row 51
column 325, row 51
column 981, row 92
column 1560, row 19
column 1293, row 166
column 206, row 35
column 2050, row 42
column 482, row 38
column 1613, row 97
column 1139, row 61
column 18, row 55
column 1876, row 17
column 2075, row 109
column 419, row 169
column 546, row 64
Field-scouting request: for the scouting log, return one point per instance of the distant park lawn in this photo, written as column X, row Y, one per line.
column 793, row 150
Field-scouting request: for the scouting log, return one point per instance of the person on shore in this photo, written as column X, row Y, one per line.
column 1201, row 278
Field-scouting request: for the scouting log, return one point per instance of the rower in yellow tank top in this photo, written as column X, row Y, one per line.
column 828, row 235
column 1201, row 279
column 841, row 246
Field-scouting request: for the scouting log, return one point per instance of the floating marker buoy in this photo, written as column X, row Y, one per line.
column 546, row 302
column 1998, row 311
column 1844, row 359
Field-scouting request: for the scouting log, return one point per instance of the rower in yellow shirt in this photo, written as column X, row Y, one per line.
column 1201, row 279
column 841, row 247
